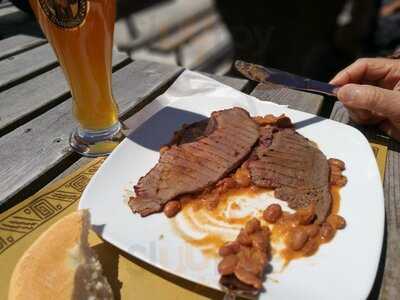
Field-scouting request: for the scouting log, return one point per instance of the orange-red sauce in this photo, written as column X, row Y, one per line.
column 210, row 242
column 281, row 231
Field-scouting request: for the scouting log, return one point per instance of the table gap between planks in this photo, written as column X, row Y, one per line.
column 36, row 120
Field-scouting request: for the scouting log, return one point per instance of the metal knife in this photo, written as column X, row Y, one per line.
column 262, row 74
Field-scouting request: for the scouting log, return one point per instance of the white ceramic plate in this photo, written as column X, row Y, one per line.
column 342, row 269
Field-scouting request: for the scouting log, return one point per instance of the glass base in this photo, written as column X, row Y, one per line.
column 96, row 143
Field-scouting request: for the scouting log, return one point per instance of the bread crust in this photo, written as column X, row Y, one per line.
column 50, row 268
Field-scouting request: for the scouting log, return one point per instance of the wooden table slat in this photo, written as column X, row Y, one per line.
column 34, row 148
column 43, row 90
column 19, row 43
column 390, row 286
column 5, row 4
column 8, row 10
column 306, row 102
column 25, row 65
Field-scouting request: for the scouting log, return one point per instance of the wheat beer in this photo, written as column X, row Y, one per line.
column 81, row 34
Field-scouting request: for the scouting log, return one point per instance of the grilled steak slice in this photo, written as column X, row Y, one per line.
column 190, row 133
column 190, row 167
column 292, row 165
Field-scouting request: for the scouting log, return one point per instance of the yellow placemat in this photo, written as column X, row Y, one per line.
column 129, row 277
column 380, row 152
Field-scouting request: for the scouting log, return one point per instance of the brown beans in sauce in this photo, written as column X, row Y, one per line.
column 327, row 231
column 310, row 247
column 248, row 278
column 338, row 180
column 244, row 239
column 337, row 222
column 252, row 226
column 306, row 215
column 312, row 230
column 297, row 239
column 333, row 162
column 229, row 248
column 272, row 213
column 228, row 264
column 260, row 241
column 172, row 208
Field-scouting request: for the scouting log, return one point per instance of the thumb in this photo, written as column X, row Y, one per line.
column 378, row 100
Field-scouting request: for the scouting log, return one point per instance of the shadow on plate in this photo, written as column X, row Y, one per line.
column 307, row 122
column 159, row 129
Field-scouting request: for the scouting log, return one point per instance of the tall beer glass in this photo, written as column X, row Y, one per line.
column 81, row 34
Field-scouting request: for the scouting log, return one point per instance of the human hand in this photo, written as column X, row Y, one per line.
column 389, row 9
column 370, row 90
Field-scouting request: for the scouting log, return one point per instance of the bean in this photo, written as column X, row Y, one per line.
column 284, row 122
column 310, row 247
column 272, row 213
column 228, row 264
column 242, row 177
column 336, row 221
column 243, row 238
column 335, row 170
column 297, row 239
column 251, row 266
column 252, row 226
column 266, row 231
column 226, row 184
column 306, row 215
column 327, row 231
column 172, row 208
column 266, row 120
column 260, row 241
column 248, row 278
column 337, row 163
column 338, row 180
column 229, row 248
column 312, row 230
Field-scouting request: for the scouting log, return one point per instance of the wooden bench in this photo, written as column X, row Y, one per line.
column 182, row 33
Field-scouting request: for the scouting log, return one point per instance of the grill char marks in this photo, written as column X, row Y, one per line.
column 292, row 165
column 194, row 163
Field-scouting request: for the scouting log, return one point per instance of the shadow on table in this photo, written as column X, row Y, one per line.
column 159, row 129
column 109, row 258
column 142, row 277
column 19, row 23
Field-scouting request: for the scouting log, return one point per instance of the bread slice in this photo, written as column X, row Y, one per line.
column 61, row 265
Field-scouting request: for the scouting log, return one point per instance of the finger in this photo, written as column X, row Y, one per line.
column 390, row 129
column 382, row 71
column 377, row 100
column 363, row 117
column 397, row 86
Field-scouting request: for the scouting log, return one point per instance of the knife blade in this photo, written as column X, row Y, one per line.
column 263, row 75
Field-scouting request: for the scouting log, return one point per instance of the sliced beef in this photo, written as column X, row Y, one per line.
column 292, row 165
column 190, row 133
column 190, row 167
